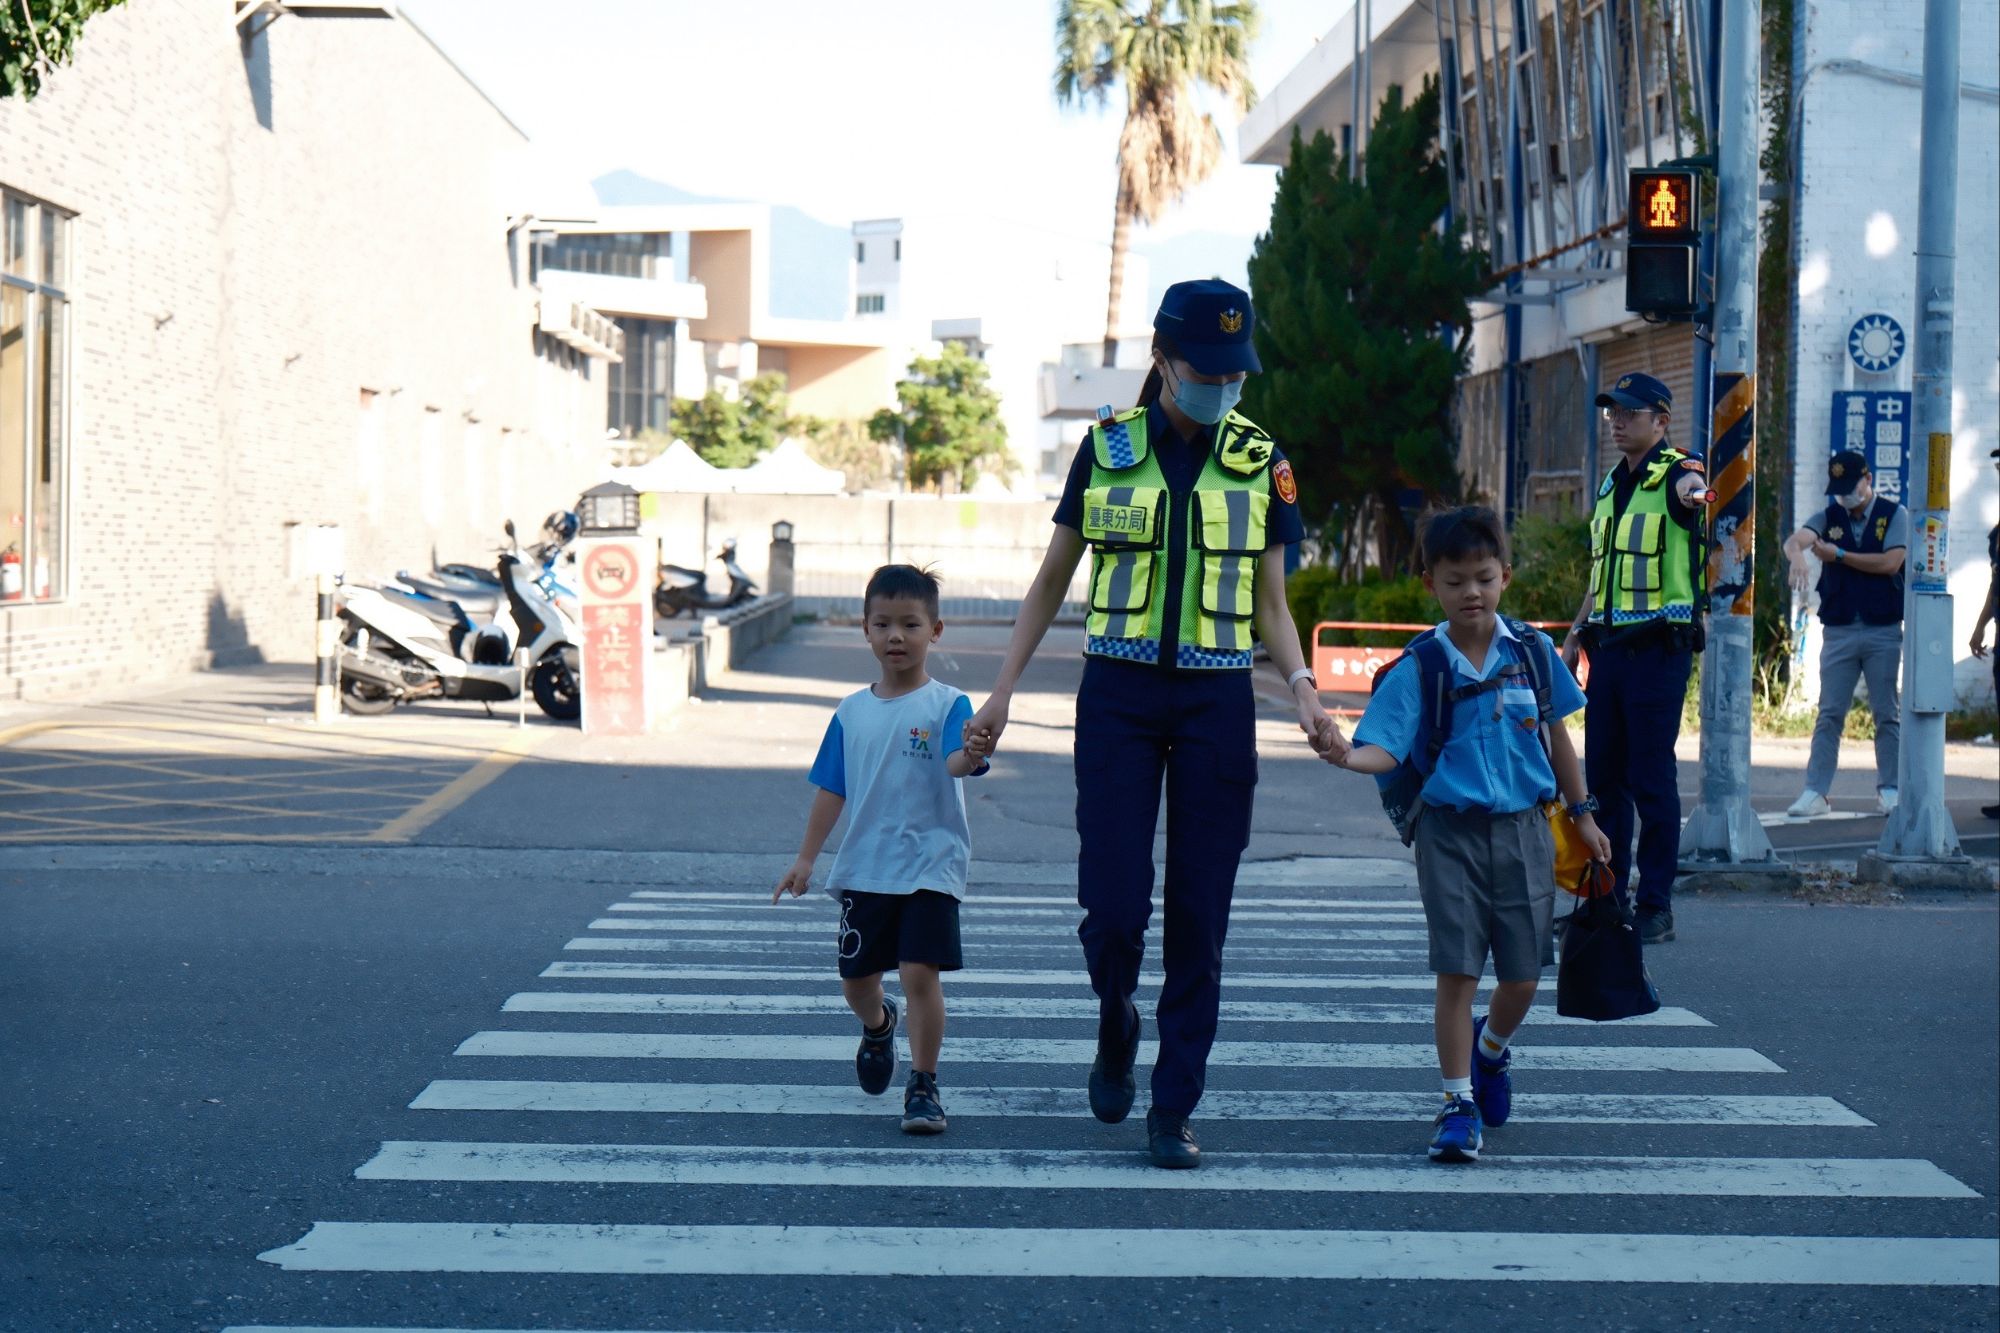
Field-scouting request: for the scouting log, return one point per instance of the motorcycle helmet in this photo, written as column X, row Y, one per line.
column 561, row 525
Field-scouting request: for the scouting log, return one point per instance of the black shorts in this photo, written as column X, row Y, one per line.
column 880, row 930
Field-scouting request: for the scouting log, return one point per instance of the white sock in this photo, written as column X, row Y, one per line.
column 1491, row 1044
column 1458, row 1087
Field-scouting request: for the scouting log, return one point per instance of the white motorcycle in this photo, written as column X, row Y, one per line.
column 398, row 646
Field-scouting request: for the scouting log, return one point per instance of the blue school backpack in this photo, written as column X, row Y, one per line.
column 1402, row 787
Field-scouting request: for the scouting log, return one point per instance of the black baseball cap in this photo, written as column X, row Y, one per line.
column 1210, row 321
column 1642, row 393
column 1844, row 472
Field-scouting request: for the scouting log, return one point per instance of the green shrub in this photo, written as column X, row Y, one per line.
column 1551, row 568
column 1307, row 591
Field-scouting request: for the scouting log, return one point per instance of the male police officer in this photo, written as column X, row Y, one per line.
column 1640, row 623
column 1861, row 539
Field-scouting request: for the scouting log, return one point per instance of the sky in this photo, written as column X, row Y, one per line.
column 869, row 108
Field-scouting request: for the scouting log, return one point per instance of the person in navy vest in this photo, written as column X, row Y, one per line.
column 1861, row 539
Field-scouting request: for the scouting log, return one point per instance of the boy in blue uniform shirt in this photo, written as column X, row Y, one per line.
column 1485, row 856
column 895, row 752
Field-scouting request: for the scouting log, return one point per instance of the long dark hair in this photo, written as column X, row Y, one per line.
column 1155, row 385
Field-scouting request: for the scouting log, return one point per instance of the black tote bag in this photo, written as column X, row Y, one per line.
column 1602, row 975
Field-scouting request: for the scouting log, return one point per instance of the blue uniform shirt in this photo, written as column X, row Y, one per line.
column 1495, row 764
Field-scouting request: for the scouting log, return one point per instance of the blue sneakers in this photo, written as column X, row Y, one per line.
column 1492, row 1085
column 1457, row 1137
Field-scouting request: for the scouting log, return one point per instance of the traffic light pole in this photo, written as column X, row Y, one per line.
column 1723, row 832
column 1920, row 845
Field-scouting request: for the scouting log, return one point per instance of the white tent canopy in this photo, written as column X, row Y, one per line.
column 788, row 470
column 677, row 468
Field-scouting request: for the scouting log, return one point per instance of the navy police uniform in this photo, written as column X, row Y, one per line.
column 1642, row 652
column 1165, row 704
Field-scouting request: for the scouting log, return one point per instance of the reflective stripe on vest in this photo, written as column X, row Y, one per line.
column 1648, row 555
column 1127, row 523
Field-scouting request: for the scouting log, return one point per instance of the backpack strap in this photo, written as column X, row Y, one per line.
column 1541, row 669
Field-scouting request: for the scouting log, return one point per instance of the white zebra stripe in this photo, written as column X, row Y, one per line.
column 978, row 907
column 1015, row 1252
column 1082, row 1008
column 1046, row 1168
column 981, row 930
column 788, row 1099
column 1404, row 898
column 737, row 948
column 1073, row 977
column 970, row 1051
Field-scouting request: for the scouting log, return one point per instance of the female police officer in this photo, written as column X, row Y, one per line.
column 1186, row 508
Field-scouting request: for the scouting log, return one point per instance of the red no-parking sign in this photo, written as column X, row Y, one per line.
column 617, row 635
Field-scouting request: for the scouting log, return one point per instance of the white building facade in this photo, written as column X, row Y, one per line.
column 1557, row 329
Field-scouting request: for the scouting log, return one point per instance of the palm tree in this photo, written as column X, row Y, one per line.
column 1162, row 51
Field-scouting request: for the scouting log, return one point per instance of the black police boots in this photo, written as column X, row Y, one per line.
column 1170, row 1140
column 1111, row 1085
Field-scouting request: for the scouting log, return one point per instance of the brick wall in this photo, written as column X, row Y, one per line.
column 237, row 285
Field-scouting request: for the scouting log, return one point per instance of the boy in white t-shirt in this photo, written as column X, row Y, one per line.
column 893, row 755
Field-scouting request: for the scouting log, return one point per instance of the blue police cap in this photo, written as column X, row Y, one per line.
column 1209, row 321
column 1844, row 472
column 1642, row 393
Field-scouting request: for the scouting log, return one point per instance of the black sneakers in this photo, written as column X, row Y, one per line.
column 1111, row 1085
column 1170, row 1140
column 923, row 1113
column 875, row 1061
column 1656, row 927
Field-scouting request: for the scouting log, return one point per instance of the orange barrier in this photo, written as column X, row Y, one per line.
column 1343, row 669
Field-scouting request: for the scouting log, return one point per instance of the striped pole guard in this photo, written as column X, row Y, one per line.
column 326, row 680
column 1732, row 471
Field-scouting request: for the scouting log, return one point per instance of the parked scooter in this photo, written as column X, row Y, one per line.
column 683, row 589
column 398, row 645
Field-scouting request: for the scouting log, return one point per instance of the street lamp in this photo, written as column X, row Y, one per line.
column 781, row 531
column 612, row 507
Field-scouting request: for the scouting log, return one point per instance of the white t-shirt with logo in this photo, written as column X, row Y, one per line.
column 906, row 826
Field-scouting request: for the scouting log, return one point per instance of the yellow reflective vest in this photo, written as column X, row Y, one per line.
column 1128, row 522
column 1643, row 564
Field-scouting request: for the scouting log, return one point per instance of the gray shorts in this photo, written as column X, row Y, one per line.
column 1489, row 885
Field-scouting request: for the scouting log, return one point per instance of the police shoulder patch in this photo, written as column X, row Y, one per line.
column 1286, row 484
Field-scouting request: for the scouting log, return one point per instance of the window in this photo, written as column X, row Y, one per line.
column 861, row 252
column 899, row 250
column 641, row 387
column 34, row 399
column 869, row 303
column 615, row 254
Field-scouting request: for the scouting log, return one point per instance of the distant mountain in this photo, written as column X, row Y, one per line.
column 809, row 258
column 1197, row 254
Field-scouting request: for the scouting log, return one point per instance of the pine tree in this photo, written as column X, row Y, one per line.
column 1363, row 330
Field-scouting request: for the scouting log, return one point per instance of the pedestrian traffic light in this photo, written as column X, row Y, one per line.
column 1663, row 242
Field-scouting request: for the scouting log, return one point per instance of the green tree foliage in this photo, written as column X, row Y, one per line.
column 736, row 432
column 948, row 418
column 1162, row 53
column 1363, row 329
column 870, row 464
column 38, row 35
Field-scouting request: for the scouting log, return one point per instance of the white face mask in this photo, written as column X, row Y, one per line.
column 1852, row 501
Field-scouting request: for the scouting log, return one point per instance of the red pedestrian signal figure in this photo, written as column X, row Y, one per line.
column 1664, row 210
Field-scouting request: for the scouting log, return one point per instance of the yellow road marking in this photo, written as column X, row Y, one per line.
column 461, row 788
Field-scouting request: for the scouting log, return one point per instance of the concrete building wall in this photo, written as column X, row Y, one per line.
column 293, row 301
column 1859, row 136
column 840, row 383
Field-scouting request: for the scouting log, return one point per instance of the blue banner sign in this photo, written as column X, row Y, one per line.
column 1875, row 423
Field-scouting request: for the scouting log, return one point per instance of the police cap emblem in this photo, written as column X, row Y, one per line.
column 1625, row 383
column 1231, row 321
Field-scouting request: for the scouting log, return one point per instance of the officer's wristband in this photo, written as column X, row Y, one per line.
column 1303, row 673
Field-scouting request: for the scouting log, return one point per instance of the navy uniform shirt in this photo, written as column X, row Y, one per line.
column 1180, row 463
column 1625, row 480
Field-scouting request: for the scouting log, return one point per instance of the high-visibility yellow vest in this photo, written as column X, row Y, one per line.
column 1642, row 563
column 1128, row 513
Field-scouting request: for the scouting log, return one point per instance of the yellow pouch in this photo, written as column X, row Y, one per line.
column 1573, row 857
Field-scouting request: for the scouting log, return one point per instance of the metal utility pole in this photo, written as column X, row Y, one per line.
column 1723, row 831
column 1919, row 842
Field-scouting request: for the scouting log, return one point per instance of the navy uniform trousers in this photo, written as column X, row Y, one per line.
column 1135, row 725
column 1630, row 724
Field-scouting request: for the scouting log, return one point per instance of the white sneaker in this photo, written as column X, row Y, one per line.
column 1885, row 799
column 1810, row 805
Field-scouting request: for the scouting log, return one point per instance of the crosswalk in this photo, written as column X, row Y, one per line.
column 732, row 1056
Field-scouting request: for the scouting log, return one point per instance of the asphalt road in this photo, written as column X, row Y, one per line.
column 466, row 1084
